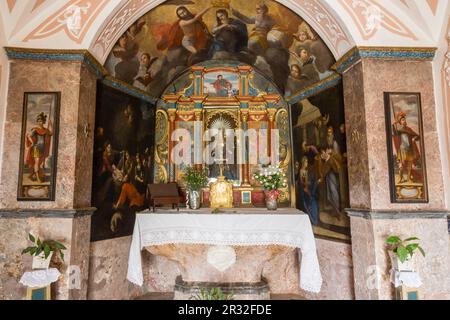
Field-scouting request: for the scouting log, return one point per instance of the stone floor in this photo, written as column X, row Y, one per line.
column 169, row 296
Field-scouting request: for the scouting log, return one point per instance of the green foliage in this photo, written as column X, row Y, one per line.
column 216, row 211
column 271, row 178
column 46, row 246
column 403, row 248
column 213, row 294
column 195, row 179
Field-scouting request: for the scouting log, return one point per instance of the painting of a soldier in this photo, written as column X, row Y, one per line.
column 408, row 153
column 39, row 146
column 406, row 147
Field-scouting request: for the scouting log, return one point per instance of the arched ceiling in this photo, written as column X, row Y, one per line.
column 97, row 24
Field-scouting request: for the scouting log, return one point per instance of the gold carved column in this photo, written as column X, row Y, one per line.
column 271, row 115
column 172, row 116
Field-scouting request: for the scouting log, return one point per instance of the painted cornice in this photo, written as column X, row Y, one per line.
column 383, row 53
column 83, row 56
column 128, row 89
column 314, row 89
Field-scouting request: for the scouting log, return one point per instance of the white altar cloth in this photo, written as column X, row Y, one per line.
column 287, row 228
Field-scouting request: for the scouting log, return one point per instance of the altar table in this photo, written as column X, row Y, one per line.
column 234, row 227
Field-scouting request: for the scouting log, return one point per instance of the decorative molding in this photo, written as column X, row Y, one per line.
column 45, row 213
column 386, row 53
column 396, row 214
column 124, row 16
column 128, row 89
column 75, row 19
column 446, row 67
column 369, row 17
column 83, row 56
column 322, row 19
column 314, row 89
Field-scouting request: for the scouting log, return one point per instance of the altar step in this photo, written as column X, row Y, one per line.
column 170, row 295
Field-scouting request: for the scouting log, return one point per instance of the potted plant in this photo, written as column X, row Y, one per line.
column 272, row 178
column 401, row 252
column 195, row 180
column 43, row 251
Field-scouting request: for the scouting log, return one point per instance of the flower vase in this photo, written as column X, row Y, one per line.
column 272, row 200
column 194, row 199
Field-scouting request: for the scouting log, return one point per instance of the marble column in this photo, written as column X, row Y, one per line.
column 373, row 216
column 67, row 219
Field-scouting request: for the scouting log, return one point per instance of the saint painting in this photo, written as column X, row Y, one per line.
column 123, row 162
column 176, row 35
column 221, row 84
column 39, row 146
column 321, row 163
column 406, row 155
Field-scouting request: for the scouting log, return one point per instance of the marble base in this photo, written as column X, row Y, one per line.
column 240, row 290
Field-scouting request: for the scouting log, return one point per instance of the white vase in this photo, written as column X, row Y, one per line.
column 39, row 262
column 401, row 266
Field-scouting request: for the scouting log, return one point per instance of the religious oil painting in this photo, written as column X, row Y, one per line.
column 220, row 84
column 39, row 147
column 123, row 149
column 179, row 34
column 320, row 162
column 406, row 153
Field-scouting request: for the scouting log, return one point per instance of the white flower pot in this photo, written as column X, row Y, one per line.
column 398, row 265
column 39, row 262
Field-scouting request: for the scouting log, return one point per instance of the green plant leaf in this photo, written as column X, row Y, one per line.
column 27, row 250
column 411, row 239
column 39, row 242
column 47, row 251
column 402, row 254
column 61, row 255
column 60, row 246
column 393, row 240
column 31, row 237
column 421, row 250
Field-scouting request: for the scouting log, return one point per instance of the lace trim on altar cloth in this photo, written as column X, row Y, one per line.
column 310, row 275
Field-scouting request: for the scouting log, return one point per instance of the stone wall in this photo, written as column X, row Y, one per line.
column 364, row 87
column 72, row 232
column 77, row 112
column 433, row 268
column 109, row 263
column 3, row 85
column 108, row 271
